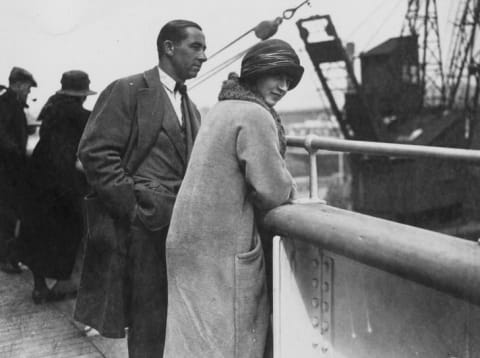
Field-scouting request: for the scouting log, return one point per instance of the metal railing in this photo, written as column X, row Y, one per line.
column 313, row 143
column 443, row 262
column 333, row 267
column 440, row 261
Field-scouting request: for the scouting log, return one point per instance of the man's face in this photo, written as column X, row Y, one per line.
column 22, row 90
column 189, row 54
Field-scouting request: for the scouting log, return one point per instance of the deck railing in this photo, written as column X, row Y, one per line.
column 313, row 143
column 315, row 240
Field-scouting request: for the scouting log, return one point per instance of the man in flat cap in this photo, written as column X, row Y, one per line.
column 13, row 142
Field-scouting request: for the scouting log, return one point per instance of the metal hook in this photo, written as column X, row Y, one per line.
column 288, row 14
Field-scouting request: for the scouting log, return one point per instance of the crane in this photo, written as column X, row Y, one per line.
column 463, row 79
column 421, row 21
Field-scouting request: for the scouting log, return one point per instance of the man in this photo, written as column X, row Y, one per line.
column 135, row 149
column 13, row 143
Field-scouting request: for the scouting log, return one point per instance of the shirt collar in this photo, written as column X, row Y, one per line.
column 166, row 80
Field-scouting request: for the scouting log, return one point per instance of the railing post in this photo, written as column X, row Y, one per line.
column 313, row 177
column 341, row 167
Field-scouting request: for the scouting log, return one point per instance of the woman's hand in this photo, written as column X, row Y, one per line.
column 293, row 194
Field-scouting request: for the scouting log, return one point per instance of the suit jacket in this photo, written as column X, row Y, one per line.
column 130, row 116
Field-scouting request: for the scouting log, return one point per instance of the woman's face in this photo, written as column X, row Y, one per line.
column 273, row 87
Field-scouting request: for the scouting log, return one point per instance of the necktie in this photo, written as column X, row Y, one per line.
column 182, row 89
column 189, row 125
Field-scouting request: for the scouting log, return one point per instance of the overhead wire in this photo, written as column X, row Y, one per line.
column 231, row 43
column 382, row 24
column 368, row 17
column 212, row 72
column 263, row 30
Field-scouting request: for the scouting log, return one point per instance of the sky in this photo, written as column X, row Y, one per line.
column 110, row 39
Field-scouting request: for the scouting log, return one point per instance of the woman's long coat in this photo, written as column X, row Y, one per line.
column 217, row 292
column 53, row 223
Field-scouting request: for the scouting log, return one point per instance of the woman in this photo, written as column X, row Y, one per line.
column 217, row 294
column 53, row 225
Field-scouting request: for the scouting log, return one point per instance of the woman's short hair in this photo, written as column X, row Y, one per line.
column 269, row 57
column 174, row 31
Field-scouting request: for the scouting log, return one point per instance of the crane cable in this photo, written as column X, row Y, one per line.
column 367, row 19
column 217, row 69
column 263, row 31
column 382, row 24
column 286, row 15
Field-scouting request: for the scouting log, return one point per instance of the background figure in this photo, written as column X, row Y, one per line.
column 217, row 288
column 135, row 150
column 53, row 225
column 13, row 142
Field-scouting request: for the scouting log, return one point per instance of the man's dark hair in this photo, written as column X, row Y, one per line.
column 174, row 31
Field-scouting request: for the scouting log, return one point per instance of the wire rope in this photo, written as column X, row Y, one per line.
column 382, row 24
column 286, row 15
column 368, row 17
column 212, row 72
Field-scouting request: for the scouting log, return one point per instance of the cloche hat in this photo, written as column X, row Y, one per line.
column 272, row 56
column 75, row 83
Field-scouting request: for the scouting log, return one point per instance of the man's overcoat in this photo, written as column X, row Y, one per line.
column 217, row 292
column 13, row 140
column 131, row 117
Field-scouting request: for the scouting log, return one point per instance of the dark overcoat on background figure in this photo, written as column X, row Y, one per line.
column 13, row 159
column 132, row 119
column 52, row 226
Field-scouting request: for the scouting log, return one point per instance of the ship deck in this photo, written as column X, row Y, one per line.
column 47, row 330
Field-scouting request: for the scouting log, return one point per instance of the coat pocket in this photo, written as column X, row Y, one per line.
column 102, row 228
column 154, row 208
column 251, row 302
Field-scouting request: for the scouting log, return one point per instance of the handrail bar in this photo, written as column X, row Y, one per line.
column 312, row 143
column 443, row 262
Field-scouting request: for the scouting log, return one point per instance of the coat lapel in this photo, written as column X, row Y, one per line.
column 196, row 119
column 155, row 111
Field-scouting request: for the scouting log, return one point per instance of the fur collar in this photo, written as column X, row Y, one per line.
column 233, row 89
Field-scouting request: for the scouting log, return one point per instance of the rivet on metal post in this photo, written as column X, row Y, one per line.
column 325, row 327
column 326, row 265
column 325, row 307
